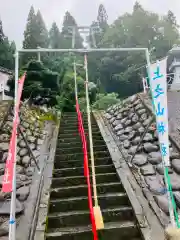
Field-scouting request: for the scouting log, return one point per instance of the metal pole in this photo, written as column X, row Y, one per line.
column 39, row 56
column 93, row 38
column 90, row 135
column 144, row 84
column 148, row 61
column 3, row 90
column 73, row 37
column 82, row 50
column 12, row 222
column 75, row 81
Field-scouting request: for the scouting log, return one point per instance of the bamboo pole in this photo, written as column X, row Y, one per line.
column 97, row 211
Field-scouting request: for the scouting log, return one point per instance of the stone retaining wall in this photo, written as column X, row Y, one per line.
column 128, row 122
column 35, row 134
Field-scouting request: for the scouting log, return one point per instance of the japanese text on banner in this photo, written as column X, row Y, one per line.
column 159, row 95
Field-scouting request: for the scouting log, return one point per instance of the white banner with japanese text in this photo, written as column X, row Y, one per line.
column 159, row 95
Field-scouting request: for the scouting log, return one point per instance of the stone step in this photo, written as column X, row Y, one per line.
column 69, row 192
column 77, row 144
column 80, row 163
column 112, row 230
column 74, row 125
column 75, row 138
column 75, row 130
column 68, row 215
column 79, row 171
column 76, row 134
column 81, row 203
column 67, row 116
column 79, row 180
column 80, row 156
column 82, row 218
column 77, row 149
column 75, row 119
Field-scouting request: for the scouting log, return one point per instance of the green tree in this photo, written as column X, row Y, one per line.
column 118, row 72
column 30, row 31
column 102, row 18
column 105, row 100
column 40, row 81
column 7, row 50
column 30, row 37
column 42, row 38
column 171, row 18
column 1, row 32
column 98, row 27
column 54, row 36
column 35, row 35
column 70, row 25
column 137, row 6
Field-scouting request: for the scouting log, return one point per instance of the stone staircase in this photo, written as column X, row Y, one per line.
column 68, row 215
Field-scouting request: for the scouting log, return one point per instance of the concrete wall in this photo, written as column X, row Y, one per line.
column 176, row 81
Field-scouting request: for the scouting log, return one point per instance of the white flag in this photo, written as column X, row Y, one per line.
column 158, row 82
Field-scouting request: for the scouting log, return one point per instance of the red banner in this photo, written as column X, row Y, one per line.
column 7, row 185
column 86, row 169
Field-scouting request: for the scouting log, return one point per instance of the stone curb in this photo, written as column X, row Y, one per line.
column 140, row 180
column 41, row 219
column 24, row 227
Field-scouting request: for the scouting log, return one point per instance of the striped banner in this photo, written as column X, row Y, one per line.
column 7, row 185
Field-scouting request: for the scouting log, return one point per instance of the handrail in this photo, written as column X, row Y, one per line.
column 86, row 169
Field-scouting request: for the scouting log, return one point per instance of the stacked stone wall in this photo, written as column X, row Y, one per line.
column 128, row 122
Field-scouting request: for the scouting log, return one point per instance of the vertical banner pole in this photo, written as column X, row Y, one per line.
column 75, row 81
column 148, row 62
column 3, row 94
column 12, row 222
column 90, row 135
column 158, row 85
column 96, row 209
column 144, row 84
column 39, row 56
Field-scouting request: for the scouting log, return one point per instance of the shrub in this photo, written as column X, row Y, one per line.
column 105, row 100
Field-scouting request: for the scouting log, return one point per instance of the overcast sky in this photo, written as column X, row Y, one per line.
column 14, row 13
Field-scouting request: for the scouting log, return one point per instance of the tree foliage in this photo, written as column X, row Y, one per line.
column 102, row 18
column 103, row 101
column 35, row 35
column 2, row 36
column 70, row 29
column 98, row 27
column 42, row 36
column 121, row 72
column 40, row 82
column 54, row 36
column 7, row 50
